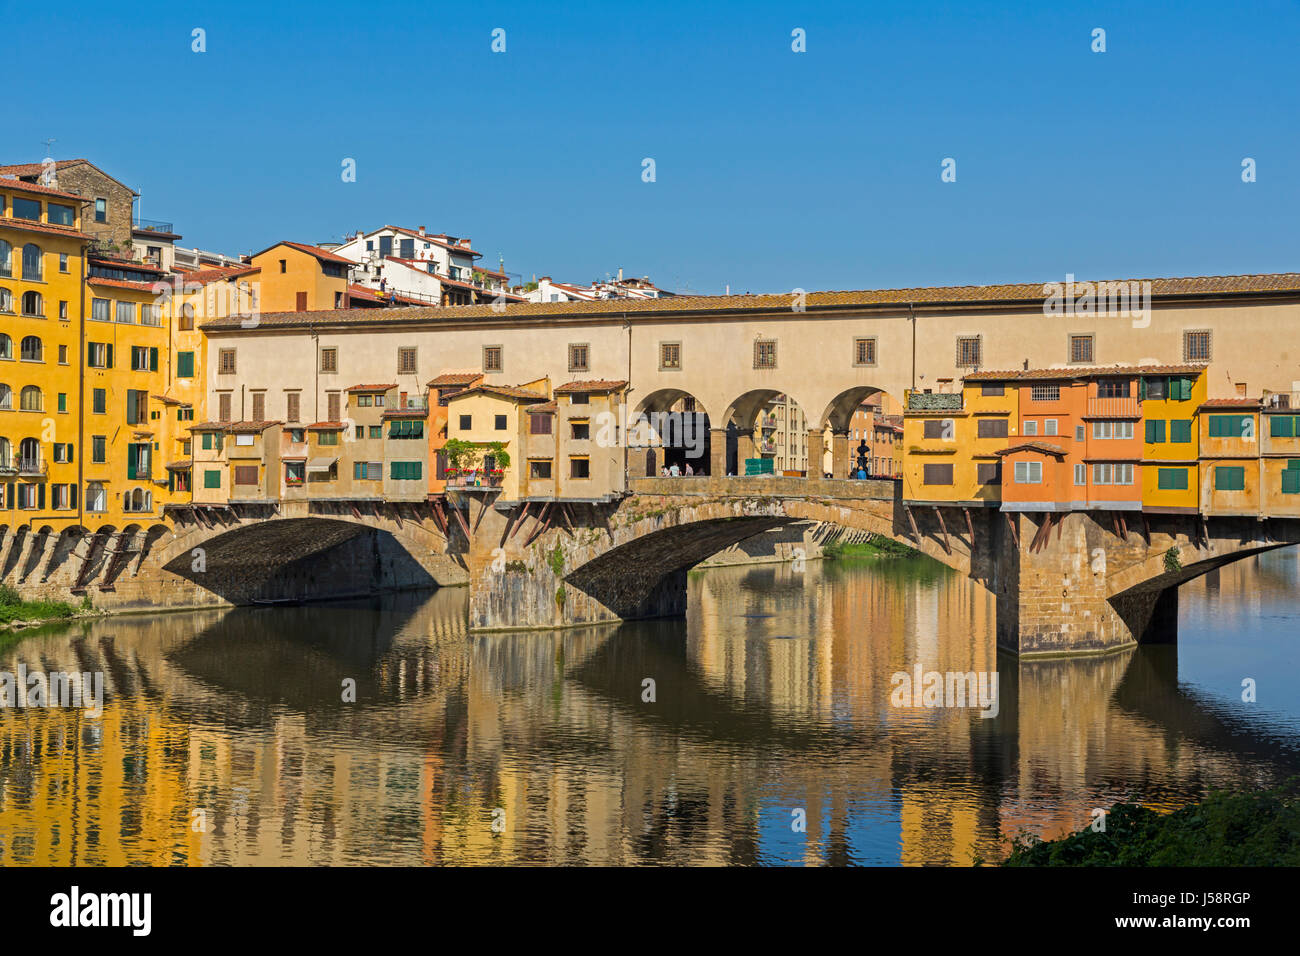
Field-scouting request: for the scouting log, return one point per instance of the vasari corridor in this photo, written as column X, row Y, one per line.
column 856, row 437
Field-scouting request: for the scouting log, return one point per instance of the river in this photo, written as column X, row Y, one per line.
column 771, row 738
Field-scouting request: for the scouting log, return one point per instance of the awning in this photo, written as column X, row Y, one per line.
column 321, row 464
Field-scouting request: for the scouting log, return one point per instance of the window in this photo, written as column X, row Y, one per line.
column 149, row 314
column 1156, row 388
column 30, row 399
column 941, row 428
column 1282, row 426
column 137, row 461
column 1171, row 479
column 101, row 310
column 1231, row 426
column 579, row 468
column 1080, row 349
column 144, row 359
column 33, row 262
column 578, row 358
column 99, row 401
column 1113, row 388
column 1031, row 427
column 185, row 321
column 582, row 398
column 329, row 360
column 465, row 422
column 368, row 470
column 376, row 431
column 670, row 356
column 1229, row 478
column 541, row 469
column 936, row 474
column 259, row 406
column 27, row 209
column 223, row 407
column 284, row 266
column 184, row 364
column 539, row 424
column 1080, row 474
column 864, row 351
column 989, row 473
column 246, row 474
column 765, row 353
column 30, row 350
column 499, row 422
column 580, row 431
column 211, row 478
column 406, row 428
column 63, row 401
column 125, row 312
column 1049, row 426
column 970, row 354
column 330, row 437
column 406, row 361
column 33, row 304
column 6, row 300
column 101, row 210
column 992, row 390
column 1155, row 431
column 1029, row 472
column 226, row 362
column 295, row 472
column 1196, row 346
column 1107, row 430
column 492, row 358
column 405, row 470
column 1079, row 432
column 333, row 402
column 99, row 355
column 1045, row 393
column 1112, row 474
column 297, row 435
column 364, row 401
column 291, row 404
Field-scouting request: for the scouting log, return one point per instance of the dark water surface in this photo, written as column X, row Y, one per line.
column 225, row 739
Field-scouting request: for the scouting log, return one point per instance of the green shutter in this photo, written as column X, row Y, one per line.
column 1291, row 482
column 40, row 497
column 185, row 365
column 63, row 401
column 1142, row 389
column 13, row 503
column 211, row 479
column 132, row 459
column 1187, row 388
column 1180, row 430
column 72, row 495
column 1172, row 479
column 1229, row 478
column 153, row 359
column 1155, row 431
column 70, row 456
column 132, row 409
column 108, row 356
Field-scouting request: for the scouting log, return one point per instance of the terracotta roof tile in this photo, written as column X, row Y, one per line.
column 1232, row 403
column 17, row 185
column 455, row 378
column 1083, row 372
column 591, row 385
column 325, row 426
column 371, row 388
column 25, row 225
column 1038, row 446
column 948, row 296
column 251, row 426
column 506, row 391
column 120, row 284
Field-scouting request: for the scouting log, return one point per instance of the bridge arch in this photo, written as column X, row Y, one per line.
column 669, row 426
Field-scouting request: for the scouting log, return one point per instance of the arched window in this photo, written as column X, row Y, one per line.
column 33, row 262
column 6, row 454
column 96, row 497
column 6, row 346
column 31, row 399
column 186, row 321
column 6, row 300
column 29, row 455
column 6, row 259
column 32, row 304
column 31, row 350
column 6, row 398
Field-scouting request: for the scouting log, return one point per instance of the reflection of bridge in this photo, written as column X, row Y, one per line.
column 1072, row 583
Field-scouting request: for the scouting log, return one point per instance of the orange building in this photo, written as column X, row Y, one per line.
column 441, row 389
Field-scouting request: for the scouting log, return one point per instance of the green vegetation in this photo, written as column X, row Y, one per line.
column 497, row 450
column 556, row 561
column 560, row 597
column 1173, row 561
column 14, row 608
column 1245, row 829
column 875, row 547
column 460, row 453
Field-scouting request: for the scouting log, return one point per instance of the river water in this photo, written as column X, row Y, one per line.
column 771, row 738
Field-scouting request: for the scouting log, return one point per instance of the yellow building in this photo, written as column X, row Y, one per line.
column 484, row 414
column 294, row 277
column 1229, row 460
column 951, row 442
column 1171, row 441
column 42, row 262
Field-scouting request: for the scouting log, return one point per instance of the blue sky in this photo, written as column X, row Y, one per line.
column 774, row 169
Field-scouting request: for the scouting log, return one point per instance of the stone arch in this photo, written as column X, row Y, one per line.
column 768, row 423
column 845, row 448
column 64, row 548
column 670, row 426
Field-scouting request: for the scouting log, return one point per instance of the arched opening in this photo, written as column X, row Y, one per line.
column 32, row 304
column 31, row 399
column 862, row 434
column 670, row 430
column 29, row 454
column 31, row 349
column 767, row 432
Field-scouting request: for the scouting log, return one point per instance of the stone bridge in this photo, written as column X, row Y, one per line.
column 1064, row 583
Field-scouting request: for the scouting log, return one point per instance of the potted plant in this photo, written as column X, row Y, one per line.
column 500, row 461
column 460, row 454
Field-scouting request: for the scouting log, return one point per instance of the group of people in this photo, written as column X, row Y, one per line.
column 674, row 471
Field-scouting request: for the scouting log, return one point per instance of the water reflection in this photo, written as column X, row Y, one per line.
column 226, row 738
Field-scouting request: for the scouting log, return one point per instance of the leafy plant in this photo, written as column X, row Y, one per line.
column 460, row 453
column 1173, row 561
column 498, row 453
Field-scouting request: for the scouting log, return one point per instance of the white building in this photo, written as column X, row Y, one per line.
column 548, row 290
column 430, row 267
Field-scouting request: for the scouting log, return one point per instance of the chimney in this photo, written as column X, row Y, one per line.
column 422, row 230
column 620, row 273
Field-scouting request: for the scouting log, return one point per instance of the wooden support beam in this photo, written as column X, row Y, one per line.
column 523, row 517
column 911, row 520
column 1146, row 528
column 970, row 528
column 1011, row 526
column 481, row 511
column 1044, row 533
column 568, row 518
column 439, row 518
column 538, row 532
column 1121, row 528
column 947, row 548
column 464, row 525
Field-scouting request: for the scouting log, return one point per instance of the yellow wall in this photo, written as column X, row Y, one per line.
column 278, row 291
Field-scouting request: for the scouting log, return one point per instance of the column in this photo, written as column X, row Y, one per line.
column 816, row 450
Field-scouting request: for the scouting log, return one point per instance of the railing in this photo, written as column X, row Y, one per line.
column 933, row 401
column 32, row 466
column 1113, row 408
column 151, row 225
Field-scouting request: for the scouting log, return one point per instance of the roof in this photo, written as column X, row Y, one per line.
column 26, row 225
column 455, row 378
column 1232, row 403
column 35, row 169
column 168, row 400
column 251, row 426
column 591, row 385
column 1073, row 372
column 1041, row 447
column 406, row 413
column 325, row 426
column 1025, row 294
column 322, row 254
column 210, row 427
column 547, row 408
column 371, row 388
column 179, row 465
column 17, row 185
column 438, row 239
column 216, row 274
column 505, row 391
column 120, row 284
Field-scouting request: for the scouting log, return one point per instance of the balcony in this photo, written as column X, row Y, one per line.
column 151, row 225
column 933, row 401
column 1113, row 408
column 33, row 467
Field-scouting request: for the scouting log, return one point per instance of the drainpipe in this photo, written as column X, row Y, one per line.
column 912, row 313
column 626, row 476
column 81, row 395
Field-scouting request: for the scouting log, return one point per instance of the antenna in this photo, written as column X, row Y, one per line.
column 48, row 143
